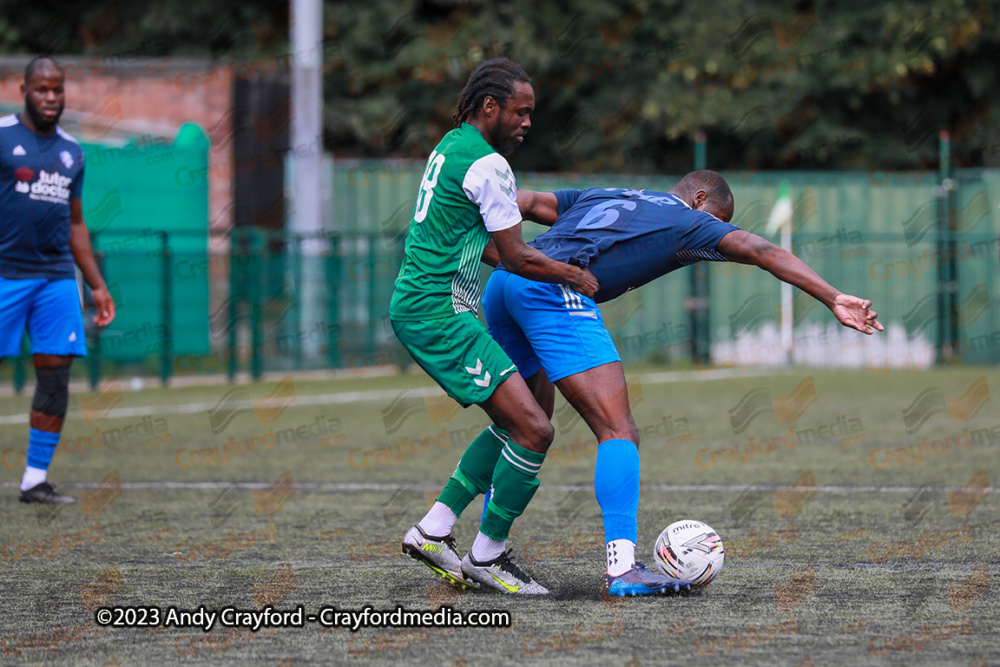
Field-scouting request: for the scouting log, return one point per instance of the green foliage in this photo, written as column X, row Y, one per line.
column 220, row 29
column 807, row 84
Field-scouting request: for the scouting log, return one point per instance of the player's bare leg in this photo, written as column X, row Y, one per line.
column 600, row 395
column 513, row 408
column 544, row 392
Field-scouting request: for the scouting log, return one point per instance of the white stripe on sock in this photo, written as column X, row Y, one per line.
column 518, row 465
column 526, row 462
column 499, row 437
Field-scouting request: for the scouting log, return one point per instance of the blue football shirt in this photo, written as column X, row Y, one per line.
column 630, row 237
column 39, row 175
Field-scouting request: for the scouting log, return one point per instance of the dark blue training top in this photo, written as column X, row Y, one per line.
column 39, row 175
column 630, row 237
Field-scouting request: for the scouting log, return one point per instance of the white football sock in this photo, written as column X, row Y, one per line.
column 32, row 477
column 621, row 556
column 438, row 521
column 485, row 548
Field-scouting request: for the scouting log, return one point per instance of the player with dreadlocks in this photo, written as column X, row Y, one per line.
column 467, row 197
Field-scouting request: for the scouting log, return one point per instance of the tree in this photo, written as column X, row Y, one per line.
column 809, row 84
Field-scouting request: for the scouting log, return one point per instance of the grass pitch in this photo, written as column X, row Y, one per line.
column 856, row 509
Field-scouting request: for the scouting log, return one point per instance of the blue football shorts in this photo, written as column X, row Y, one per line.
column 543, row 325
column 51, row 311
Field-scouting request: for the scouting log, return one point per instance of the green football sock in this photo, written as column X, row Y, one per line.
column 514, row 483
column 475, row 471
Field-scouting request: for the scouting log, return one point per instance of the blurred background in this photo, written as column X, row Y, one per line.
column 244, row 231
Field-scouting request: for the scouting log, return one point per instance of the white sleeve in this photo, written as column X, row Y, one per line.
column 489, row 183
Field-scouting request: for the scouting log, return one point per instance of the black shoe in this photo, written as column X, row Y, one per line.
column 44, row 493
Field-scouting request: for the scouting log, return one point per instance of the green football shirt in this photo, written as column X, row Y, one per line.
column 467, row 191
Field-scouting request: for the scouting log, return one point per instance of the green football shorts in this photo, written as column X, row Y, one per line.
column 459, row 353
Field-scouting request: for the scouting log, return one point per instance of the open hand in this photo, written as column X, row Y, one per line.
column 856, row 313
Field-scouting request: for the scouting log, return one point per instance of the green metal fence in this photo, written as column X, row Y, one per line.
column 255, row 301
column 874, row 235
column 146, row 224
column 261, row 317
column 926, row 255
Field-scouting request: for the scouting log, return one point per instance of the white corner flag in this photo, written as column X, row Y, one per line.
column 781, row 214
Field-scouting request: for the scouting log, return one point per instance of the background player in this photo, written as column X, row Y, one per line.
column 468, row 196
column 42, row 233
column 627, row 238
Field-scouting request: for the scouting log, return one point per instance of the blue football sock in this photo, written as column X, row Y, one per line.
column 616, row 485
column 41, row 448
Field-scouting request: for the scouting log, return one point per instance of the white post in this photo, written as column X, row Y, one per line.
column 781, row 220
column 787, row 310
column 305, row 158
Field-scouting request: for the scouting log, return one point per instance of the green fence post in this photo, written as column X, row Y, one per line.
column 297, row 262
column 257, row 280
column 942, row 235
column 372, row 285
column 94, row 363
column 698, row 287
column 94, row 355
column 334, row 333
column 404, row 355
column 951, row 216
column 166, row 356
column 235, row 296
column 19, row 374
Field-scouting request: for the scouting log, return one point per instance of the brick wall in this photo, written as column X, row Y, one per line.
column 146, row 96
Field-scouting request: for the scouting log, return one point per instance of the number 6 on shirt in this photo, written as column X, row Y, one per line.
column 602, row 215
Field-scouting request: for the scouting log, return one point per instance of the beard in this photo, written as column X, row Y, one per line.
column 41, row 124
column 505, row 144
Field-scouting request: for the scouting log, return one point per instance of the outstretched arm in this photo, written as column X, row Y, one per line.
column 746, row 248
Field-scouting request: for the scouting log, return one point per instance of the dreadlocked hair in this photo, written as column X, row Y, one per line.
column 494, row 78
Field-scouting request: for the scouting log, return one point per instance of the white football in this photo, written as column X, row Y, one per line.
column 689, row 550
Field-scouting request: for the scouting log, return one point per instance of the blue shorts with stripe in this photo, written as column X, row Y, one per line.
column 51, row 311
column 542, row 325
